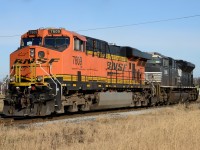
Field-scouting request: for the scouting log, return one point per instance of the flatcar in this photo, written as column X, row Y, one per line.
column 57, row 71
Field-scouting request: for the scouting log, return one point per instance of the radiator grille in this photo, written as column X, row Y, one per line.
column 153, row 76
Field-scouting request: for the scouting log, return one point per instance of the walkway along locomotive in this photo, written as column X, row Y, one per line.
column 57, row 71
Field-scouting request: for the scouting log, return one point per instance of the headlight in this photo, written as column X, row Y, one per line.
column 32, row 52
column 12, row 78
column 39, row 78
column 41, row 54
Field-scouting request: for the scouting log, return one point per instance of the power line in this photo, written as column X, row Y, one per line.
column 121, row 26
column 141, row 23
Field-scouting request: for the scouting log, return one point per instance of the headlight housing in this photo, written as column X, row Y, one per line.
column 32, row 52
column 41, row 54
column 39, row 78
column 12, row 78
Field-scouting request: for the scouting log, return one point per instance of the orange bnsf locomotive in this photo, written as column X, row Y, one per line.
column 58, row 71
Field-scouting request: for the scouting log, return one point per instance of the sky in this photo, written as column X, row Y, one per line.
column 179, row 39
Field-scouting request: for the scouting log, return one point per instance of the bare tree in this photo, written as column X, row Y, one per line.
column 3, row 85
column 197, row 81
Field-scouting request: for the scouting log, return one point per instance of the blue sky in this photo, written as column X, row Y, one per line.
column 179, row 39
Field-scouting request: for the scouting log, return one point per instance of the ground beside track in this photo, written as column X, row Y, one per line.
column 77, row 117
column 173, row 128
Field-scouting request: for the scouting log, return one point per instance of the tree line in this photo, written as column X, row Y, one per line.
column 197, row 81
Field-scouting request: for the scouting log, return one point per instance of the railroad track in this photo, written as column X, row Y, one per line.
column 8, row 121
column 2, row 97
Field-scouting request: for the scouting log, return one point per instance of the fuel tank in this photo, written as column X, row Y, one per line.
column 113, row 100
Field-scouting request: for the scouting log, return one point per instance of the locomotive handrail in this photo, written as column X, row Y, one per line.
column 50, row 66
column 33, row 71
column 50, row 77
column 18, row 73
column 11, row 70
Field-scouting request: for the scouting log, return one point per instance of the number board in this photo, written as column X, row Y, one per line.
column 33, row 32
column 54, row 31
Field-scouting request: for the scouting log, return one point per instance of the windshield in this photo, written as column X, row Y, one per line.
column 57, row 43
column 154, row 61
column 31, row 41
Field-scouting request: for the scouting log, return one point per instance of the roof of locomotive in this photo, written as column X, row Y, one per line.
column 124, row 50
column 42, row 32
column 88, row 37
column 140, row 54
column 157, row 55
column 185, row 65
column 129, row 52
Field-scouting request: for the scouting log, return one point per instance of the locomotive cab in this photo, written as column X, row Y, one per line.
column 33, row 67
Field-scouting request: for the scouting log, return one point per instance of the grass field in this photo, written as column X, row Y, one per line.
column 169, row 129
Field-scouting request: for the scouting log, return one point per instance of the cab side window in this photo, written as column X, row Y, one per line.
column 78, row 45
column 165, row 62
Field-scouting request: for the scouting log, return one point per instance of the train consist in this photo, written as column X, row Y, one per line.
column 58, row 71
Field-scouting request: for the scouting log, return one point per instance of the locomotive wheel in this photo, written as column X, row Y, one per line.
column 38, row 109
column 73, row 108
column 85, row 107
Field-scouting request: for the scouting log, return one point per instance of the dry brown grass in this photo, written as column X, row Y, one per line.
column 169, row 129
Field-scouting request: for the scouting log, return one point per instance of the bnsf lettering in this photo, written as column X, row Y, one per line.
column 25, row 61
column 116, row 66
column 77, row 60
column 43, row 60
column 30, row 61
